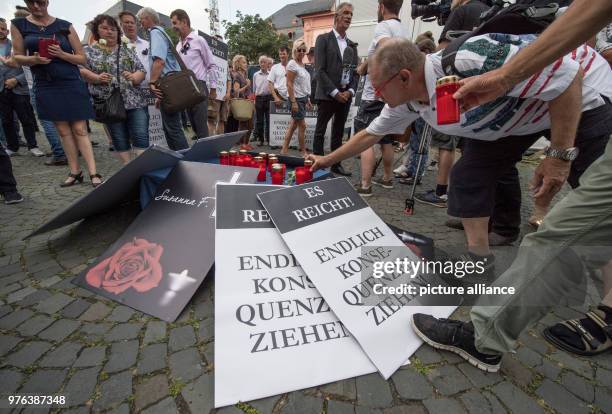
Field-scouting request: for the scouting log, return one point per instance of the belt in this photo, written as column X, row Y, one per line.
column 263, row 97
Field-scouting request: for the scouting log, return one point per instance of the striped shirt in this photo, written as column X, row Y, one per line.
column 523, row 110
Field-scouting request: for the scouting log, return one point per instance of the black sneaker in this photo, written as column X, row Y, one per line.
column 454, row 336
column 430, row 197
column 12, row 197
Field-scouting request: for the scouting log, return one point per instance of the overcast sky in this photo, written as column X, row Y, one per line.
column 79, row 12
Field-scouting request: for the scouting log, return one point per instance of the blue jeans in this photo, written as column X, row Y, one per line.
column 50, row 132
column 413, row 159
column 173, row 128
column 135, row 129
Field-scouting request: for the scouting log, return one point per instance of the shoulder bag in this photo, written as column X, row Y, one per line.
column 111, row 109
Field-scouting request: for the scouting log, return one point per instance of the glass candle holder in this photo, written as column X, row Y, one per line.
column 271, row 161
column 301, row 175
column 278, row 176
column 224, row 158
column 233, row 155
column 447, row 106
column 43, row 46
column 308, row 166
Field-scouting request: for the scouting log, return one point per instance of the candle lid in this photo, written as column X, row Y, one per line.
column 447, row 79
column 308, row 162
column 277, row 167
column 243, row 152
column 258, row 158
column 233, row 152
column 223, row 153
column 263, row 154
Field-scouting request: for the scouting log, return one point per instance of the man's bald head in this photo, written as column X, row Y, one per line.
column 395, row 55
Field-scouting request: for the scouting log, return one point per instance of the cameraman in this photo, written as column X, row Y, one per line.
column 465, row 15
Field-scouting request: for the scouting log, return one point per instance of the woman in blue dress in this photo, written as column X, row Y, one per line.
column 61, row 94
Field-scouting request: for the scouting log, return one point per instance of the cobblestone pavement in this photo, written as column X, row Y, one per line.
column 57, row 338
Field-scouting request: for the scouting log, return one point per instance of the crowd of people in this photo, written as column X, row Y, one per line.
column 516, row 89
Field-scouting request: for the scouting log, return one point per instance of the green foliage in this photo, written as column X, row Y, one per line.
column 176, row 387
column 173, row 35
column 252, row 36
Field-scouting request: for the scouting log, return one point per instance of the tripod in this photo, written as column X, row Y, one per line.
column 423, row 145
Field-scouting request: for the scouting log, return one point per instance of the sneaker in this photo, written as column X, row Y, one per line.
column 399, row 170
column 36, row 152
column 364, row 192
column 12, row 197
column 432, row 199
column 11, row 153
column 408, row 181
column 56, row 161
column 383, row 183
column 454, row 336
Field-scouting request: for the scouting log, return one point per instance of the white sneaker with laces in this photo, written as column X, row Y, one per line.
column 36, row 152
column 400, row 169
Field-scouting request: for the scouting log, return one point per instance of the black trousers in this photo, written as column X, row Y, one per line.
column 7, row 179
column 262, row 113
column 327, row 109
column 485, row 181
column 20, row 104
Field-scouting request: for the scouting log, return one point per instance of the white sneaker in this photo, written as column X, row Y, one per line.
column 36, row 152
column 400, row 169
column 11, row 153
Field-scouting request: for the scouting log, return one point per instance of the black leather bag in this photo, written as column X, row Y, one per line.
column 181, row 90
column 110, row 109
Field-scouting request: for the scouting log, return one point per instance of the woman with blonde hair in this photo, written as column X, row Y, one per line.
column 242, row 89
column 298, row 92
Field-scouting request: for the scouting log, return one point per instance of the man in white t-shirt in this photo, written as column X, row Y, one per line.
column 389, row 26
column 570, row 98
column 277, row 79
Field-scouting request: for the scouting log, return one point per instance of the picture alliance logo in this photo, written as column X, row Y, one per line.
column 413, row 268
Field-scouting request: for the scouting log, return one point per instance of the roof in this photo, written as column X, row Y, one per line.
column 284, row 18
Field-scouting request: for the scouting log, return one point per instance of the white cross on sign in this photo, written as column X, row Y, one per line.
column 233, row 180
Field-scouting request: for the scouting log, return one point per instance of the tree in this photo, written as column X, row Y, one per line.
column 252, row 36
column 172, row 34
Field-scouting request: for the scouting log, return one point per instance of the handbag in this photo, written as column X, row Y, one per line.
column 110, row 109
column 181, row 90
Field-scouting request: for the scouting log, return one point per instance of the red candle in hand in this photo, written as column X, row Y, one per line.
column 307, row 167
column 447, row 106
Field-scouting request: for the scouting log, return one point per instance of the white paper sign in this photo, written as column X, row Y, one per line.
column 156, row 128
column 280, row 118
column 325, row 224
column 274, row 333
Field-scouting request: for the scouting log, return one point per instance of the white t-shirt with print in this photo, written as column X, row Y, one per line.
column 523, row 111
column 278, row 77
column 301, row 82
column 386, row 28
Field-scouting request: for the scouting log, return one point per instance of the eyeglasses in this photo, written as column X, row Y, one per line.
column 185, row 48
column 378, row 91
column 301, row 50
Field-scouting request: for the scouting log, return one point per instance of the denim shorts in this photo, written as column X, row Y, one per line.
column 368, row 111
column 133, row 132
column 301, row 112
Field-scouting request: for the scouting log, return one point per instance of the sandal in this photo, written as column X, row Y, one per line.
column 592, row 345
column 98, row 176
column 76, row 178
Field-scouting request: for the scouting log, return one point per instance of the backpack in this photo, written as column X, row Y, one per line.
column 526, row 17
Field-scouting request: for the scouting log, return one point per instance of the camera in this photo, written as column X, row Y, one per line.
column 430, row 10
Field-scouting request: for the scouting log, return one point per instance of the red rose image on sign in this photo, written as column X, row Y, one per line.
column 135, row 265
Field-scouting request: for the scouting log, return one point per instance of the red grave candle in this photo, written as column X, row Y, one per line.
column 447, row 106
column 233, row 155
column 224, row 158
column 301, row 175
column 278, row 177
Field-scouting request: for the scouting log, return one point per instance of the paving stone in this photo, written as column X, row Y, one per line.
column 181, row 338
column 475, row 402
column 515, row 399
column 35, row 298
column 63, row 356
column 603, row 361
column 114, row 390
column 578, row 365
column 123, row 331
column 496, row 406
column 5, row 310
column 47, row 272
column 91, row 357
column 300, row 403
column 34, row 325
column 78, row 410
column 156, row 331
column 412, row 385
column 345, row 388
column 186, row 364
column 579, row 386
column 122, row 409
column 81, row 386
column 28, row 354
column 478, row 377
column 264, row 405
column 516, row 370
column 529, row 357
column 14, row 319
column 150, row 390
column 121, row 314
column 204, row 310
column 76, row 308
column 60, row 330
column 603, row 399
column 427, row 355
column 443, row 405
column 8, row 342
column 152, row 358
column 448, row 380
column 54, row 304
column 199, row 394
column 163, row 407
column 95, row 330
column 206, row 332
column 604, row 377
column 550, row 369
column 367, row 410
column 561, row 400
column 373, row 391
column 43, row 382
column 50, row 282
column 96, row 312
column 20, row 294
column 122, row 356
column 9, row 288
column 340, row 407
column 230, row 409
column 406, row 409
column 10, row 380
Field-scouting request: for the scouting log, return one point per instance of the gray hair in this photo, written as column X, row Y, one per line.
column 397, row 54
column 149, row 12
column 341, row 7
column 263, row 58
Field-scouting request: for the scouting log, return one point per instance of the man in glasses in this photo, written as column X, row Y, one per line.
column 336, row 61
column 197, row 56
column 389, row 26
column 569, row 100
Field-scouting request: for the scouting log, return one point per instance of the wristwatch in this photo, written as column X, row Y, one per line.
column 568, row 154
